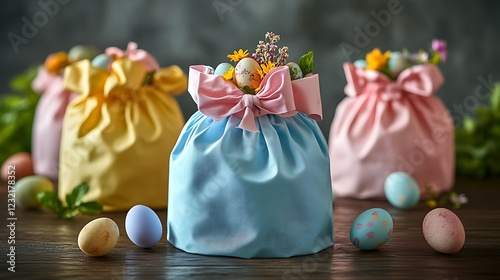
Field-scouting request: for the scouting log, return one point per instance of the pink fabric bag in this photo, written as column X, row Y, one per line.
column 48, row 120
column 383, row 126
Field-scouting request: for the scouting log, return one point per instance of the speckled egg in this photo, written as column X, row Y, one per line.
column 401, row 190
column 246, row 73
column 143, row 226
column 18, row 165
column 28, row 188
column 443, row 231
column 102, row 61
column 295, row 71
column 80, row 52
column 222, row 68
column 98, row 237
column 371, row 229
column 397, row 63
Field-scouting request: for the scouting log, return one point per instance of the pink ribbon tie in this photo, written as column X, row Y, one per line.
column 218, row 98
column 134, row 54
column 423, row 80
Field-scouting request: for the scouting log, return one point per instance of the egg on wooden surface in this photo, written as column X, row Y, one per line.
column 371, row 229
column 443, row 231
column 401, row 190
column 246, row 73
column 19, row 165
column 28, row 188
column 143, row 226
column 98, row 237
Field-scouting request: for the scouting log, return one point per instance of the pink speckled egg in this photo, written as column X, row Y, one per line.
column 443, row 231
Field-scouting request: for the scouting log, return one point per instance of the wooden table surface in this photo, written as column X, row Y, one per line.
column 46, row 248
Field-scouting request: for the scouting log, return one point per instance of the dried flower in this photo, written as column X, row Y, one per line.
column 376, row 60
column 435, row 199
column 439, row 46
column 267, row 51
column 238, row 55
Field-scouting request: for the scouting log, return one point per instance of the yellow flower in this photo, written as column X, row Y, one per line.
column 265, row 69
column 238, row 55
column 228, row 75
column 432, row 203
column 376, row 60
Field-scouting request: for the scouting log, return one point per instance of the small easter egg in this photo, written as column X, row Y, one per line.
column 55, row 62
column 222, row 68
column 98, row 237
column 143, row 226
column 360, row 63
column 246, row 73
column 80, row 52
column 102, row 61
column 401, row 190
column 17, row 166
column 28, row 188
column 295, row 71
column 371, row 229
column 397, row 63
column 443, row 231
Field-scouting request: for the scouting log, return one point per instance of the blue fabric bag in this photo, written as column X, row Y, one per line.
column 235, row 192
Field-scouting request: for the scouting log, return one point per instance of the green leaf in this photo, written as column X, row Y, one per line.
column 469, row 125
column 90, row 208
column 306, row 63
column 248, row 90
column 49, row 200
column 495, row 98
column 75, row 198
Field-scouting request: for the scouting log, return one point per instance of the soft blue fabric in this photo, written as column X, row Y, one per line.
column 237, row 193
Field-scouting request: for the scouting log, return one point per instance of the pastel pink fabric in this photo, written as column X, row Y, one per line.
column 135, row 54
column 278, row 95
column 47, row 125
column 385, row 126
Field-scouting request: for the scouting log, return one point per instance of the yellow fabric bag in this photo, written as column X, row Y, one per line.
column 118, row 133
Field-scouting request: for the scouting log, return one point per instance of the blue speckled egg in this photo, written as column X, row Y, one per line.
column 102, row 61
column 295, row 71
column 401, row 190
column 222, row 68
column 360, row 63
column 397, row 63
column 371, row 229
column 143, row 226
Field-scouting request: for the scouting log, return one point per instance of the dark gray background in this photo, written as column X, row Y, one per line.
column 194, row 32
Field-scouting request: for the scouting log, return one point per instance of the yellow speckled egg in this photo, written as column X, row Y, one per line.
column 98, row 237
column 246, row 73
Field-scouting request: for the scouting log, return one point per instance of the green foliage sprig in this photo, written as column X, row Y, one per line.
column 477, row 141
column 74, row 203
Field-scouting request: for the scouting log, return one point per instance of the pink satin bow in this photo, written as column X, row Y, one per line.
column 423, row 80
column 218, row 98
column 135, row 54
